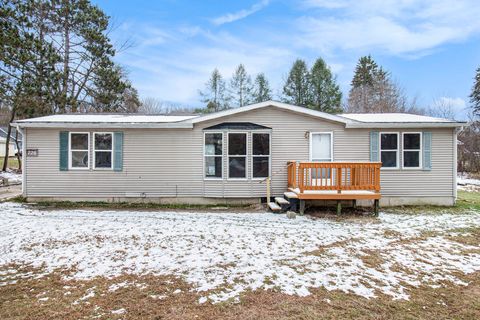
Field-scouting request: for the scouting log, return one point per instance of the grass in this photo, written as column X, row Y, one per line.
column 466, row 201
column 53, row 297
column 12, row 163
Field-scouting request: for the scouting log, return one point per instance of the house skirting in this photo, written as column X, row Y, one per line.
column 386, row 201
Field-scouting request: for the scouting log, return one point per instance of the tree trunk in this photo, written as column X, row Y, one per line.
column 19, row 157
column 7, row 141
column 66, row 58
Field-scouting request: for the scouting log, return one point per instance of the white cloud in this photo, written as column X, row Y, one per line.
column 396, row 27
column 176, row 70
column 456, row 103
column 231, row 17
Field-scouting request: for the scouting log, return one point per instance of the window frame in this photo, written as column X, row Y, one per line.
column 262, row 156
column 95, row 150
column 70, row 167
column 221, row 156
column 310, row 148
column 420, row 151
column 396, row 150
column 228, row 156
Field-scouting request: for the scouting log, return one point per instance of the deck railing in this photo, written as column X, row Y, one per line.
column 334, row 176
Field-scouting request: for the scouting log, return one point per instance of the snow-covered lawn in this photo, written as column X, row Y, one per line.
column 224, row 254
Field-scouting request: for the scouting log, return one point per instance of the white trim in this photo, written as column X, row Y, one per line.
column 311, row 145
column 263, row 156
column 455, row 159
column 24, row 159
column 70, row 151
column 420, row 151
column 245, row 132
column 204, row 155
column 185, row 124
column 397, row 150
column 94, row 151
column 271, row 103
column 403, row 125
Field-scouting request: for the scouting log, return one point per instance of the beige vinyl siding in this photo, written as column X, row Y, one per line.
column 169, row 162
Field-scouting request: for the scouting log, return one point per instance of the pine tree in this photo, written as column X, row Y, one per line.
column 241, row 86
column 113, row 93
column 214, row 94
column 262, row 91
column 373, row 90
column 325, row 94
column 475, row 94
column 296, row 88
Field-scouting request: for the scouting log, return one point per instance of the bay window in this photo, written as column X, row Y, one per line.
column 103, row 150
column 79, row 149
column 213, row 154
column 237, row 155
column 260, row 155
column 389, row 150
column 412, row 150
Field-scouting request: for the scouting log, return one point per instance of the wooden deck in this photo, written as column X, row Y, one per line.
column 335, row 181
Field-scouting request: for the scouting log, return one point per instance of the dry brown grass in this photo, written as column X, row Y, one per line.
column 21, row 301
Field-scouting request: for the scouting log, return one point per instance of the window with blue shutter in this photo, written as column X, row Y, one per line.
column 374, row 146
column 118, row 151
column 427, row 151
column 63, row 150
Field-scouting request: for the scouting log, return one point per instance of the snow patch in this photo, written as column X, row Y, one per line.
column 223, row 255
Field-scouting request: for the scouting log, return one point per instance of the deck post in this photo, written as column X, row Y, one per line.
column 354, row 204
column 339, row 207
column 376, row 206
column 302, row 207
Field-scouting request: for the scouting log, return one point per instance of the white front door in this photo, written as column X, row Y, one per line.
column 321, row 148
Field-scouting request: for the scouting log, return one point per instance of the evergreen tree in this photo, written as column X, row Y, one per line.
column 241, row 86
column 261, row 91
column 325, row 94
column 214, row 95
column 373, row 90
column 113, row 93
column 475, row 94
column 296, row 88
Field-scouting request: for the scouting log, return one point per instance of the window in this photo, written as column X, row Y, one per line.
column 389, row 150
column 79, row 150
column 260, row 155
column 213, row 152
column 237, row 155
column 103, row 150
column 412, row 147
column 321, row 146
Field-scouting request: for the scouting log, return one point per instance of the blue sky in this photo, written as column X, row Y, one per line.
column 431, row 48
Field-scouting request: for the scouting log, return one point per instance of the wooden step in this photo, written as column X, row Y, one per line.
column 282, row 201
column 274, row 207
column 290, row 195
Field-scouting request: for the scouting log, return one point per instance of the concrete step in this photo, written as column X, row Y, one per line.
column 274, row 207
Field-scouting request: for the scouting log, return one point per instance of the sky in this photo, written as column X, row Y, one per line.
column 431, row 47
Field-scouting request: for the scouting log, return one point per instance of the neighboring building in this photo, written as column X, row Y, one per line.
column 12, row 151
column 226, row 156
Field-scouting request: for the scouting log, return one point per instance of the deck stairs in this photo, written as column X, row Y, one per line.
column 289, row 202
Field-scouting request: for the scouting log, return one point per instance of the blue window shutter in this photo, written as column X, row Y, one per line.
column 427, row 151
column 374, row 148
column 63, row 150
column 118, row 151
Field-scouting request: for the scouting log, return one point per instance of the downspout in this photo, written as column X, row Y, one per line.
column 455, row 160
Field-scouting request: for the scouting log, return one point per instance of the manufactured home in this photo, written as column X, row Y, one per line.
column 246, row 154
